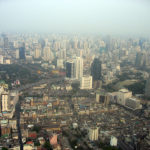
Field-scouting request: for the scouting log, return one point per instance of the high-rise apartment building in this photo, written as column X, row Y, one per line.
column 47, row 54
column 6, row 43
column 93, row 134
column 37, row 53
column 74, row 68
column 147, row 88
column 5, row 101
column 79, row 67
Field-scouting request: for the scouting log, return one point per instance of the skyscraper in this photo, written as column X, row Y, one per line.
column 37, row 53
column 22, row 52
column 96, row 69
column 79, row 67
column 47, row 54
column 147, row 88
column 70, row 69
column 6, row 43
column 74, row 68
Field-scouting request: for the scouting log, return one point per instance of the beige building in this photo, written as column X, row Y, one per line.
column 93, row 134
column 86, row 82
column 79, row 67
column 5, row 101
column 37, row 53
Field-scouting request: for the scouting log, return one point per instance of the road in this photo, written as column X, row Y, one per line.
column 17, row 114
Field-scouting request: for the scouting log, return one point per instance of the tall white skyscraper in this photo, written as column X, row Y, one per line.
column 78, row 67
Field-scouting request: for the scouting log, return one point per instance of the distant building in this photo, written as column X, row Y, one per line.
column 133, row 103
column 47, row 54
column 103, row 98
column 5, row 101
column 147, row 88
column 79, row 67
column 113, row 141
column 122, row 95
column 74, row 68
column 96, row 69
column 93, row 134
column 86, row 82
column 22, row 52
column 17, row 53
column 37, row 53
column 1, row 59
column 70, row 69
column 60, row 63
column 62, row 54
column 6, row 43
column 142, row 59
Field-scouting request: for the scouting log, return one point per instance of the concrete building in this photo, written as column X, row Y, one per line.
column 86, row 82
column 70, row 69
column 60, row 63
column 96, row 69
column 93, row 134
column 133, row 103
column 1, row 59
column 37, row 53
column 47, row 54
column 5, row 101
column 147, row 88
column 122, row 95
column 17, row 53
column 113, row 141
column 79, row 67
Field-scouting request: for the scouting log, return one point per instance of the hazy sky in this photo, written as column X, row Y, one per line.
column 76, row 16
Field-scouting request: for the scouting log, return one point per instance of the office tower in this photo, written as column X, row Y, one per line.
column 86, row 82
column 70, row 69
column 37, row 53
column 5, row 101
column 96, row 69
column 42, row 42
column 6, row 43
column 62, row 54
column 47, row 54
column 1, row 59
column 74, row 68
column 22, row 52
column 141, row 42
column 147, row 88
column 142, row 59
column 79, row 67
column 93, row 134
